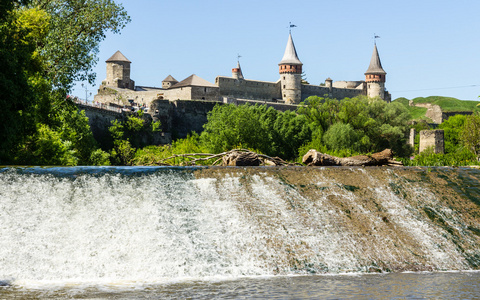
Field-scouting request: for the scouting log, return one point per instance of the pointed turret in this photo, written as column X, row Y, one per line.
column 168, row 82
column 118, row 72
column 117, row 57
column 375, row 77
column 290, row 62
column 290, row 69
column 375, row 67
column 237, row 72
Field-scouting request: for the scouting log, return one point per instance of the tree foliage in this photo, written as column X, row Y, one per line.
column 70, row 47
column 470, row 135
column 260, row 128
column 45, row 46
column 371, row 124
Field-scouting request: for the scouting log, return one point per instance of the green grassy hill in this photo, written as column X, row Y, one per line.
column 447, row 104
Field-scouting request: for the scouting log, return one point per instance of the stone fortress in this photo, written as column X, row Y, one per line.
column 118, row 88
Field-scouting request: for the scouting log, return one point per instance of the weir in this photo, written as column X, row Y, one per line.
column 156, row 223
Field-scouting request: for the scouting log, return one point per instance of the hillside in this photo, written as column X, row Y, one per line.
column 447, row 104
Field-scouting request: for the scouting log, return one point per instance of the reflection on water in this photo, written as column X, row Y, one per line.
column 463, row 285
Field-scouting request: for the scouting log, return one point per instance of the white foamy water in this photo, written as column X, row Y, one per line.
column 79, row 228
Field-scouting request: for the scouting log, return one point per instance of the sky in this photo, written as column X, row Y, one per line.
column 427, row 47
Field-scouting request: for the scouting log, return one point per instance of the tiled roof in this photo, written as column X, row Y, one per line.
column 375, row 66
column 170, row 79
column 193, row 80
column 118, row 56
column 290, row 57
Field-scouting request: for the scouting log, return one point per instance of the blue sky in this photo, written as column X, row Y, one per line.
column 426, row 47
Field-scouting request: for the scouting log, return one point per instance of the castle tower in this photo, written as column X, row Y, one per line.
column 118, row 72
column 375, row 77
column 169, row 82
column 237, row 72
column 290, row 69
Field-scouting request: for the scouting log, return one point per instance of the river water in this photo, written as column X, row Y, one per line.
column 458, row 285
column 202, row 233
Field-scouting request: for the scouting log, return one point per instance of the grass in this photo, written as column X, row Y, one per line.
column 447, row 104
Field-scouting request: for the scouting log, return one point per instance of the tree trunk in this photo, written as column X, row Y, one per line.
column 384, row 158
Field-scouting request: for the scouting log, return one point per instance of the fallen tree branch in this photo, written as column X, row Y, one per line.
column 235, row 157
column 384, row 158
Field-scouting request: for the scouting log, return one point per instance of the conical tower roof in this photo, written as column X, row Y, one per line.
column 118, row 56
column 290, row 57
column 375, row 66
column 240, row 74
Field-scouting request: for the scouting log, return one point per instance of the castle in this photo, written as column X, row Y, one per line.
column 118, row 88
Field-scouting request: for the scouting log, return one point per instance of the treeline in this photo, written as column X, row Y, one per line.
column 342, row 128
column 462, row 143
column 45, row 46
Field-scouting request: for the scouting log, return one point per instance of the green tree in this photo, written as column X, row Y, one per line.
column 45, row 46
column 261, row 128
column 470, row 134
column 70, row 48
column 452, row 128
column 340, row 137
column 134, row 132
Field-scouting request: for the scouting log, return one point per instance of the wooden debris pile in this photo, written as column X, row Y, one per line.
column 236, row 157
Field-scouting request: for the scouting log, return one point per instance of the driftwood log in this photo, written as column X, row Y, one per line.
column 384, row 158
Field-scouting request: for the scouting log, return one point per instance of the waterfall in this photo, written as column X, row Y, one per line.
column 156, row 223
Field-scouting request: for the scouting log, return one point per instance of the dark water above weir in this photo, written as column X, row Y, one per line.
column 194, row 232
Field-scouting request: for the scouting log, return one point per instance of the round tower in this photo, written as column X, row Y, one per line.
column 375, row 77
column 118, row 72
column 237, row 72
column 290, row 69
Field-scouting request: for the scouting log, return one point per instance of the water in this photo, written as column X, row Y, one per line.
column 371, row 286
column 108, row 232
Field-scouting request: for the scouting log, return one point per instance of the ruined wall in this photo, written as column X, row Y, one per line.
column 446, row 115
column 141, row 95
column 432, row 138
column 248, row 89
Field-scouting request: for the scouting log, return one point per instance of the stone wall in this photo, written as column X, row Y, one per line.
column 446, row 115
column 141, row 95
column 432, row 138
column 315, row 90
column 276, row 105
column 248, row 89
column 100, row 120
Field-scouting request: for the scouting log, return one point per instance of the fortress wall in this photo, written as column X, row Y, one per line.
column 205, row 93
column 178, row 93
column 277, row 106
column 248, row 89
column 190, row 115
column 100, row 120
column 346, row 93
column 121, row 96
column 314, row 90
column 193, row 92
